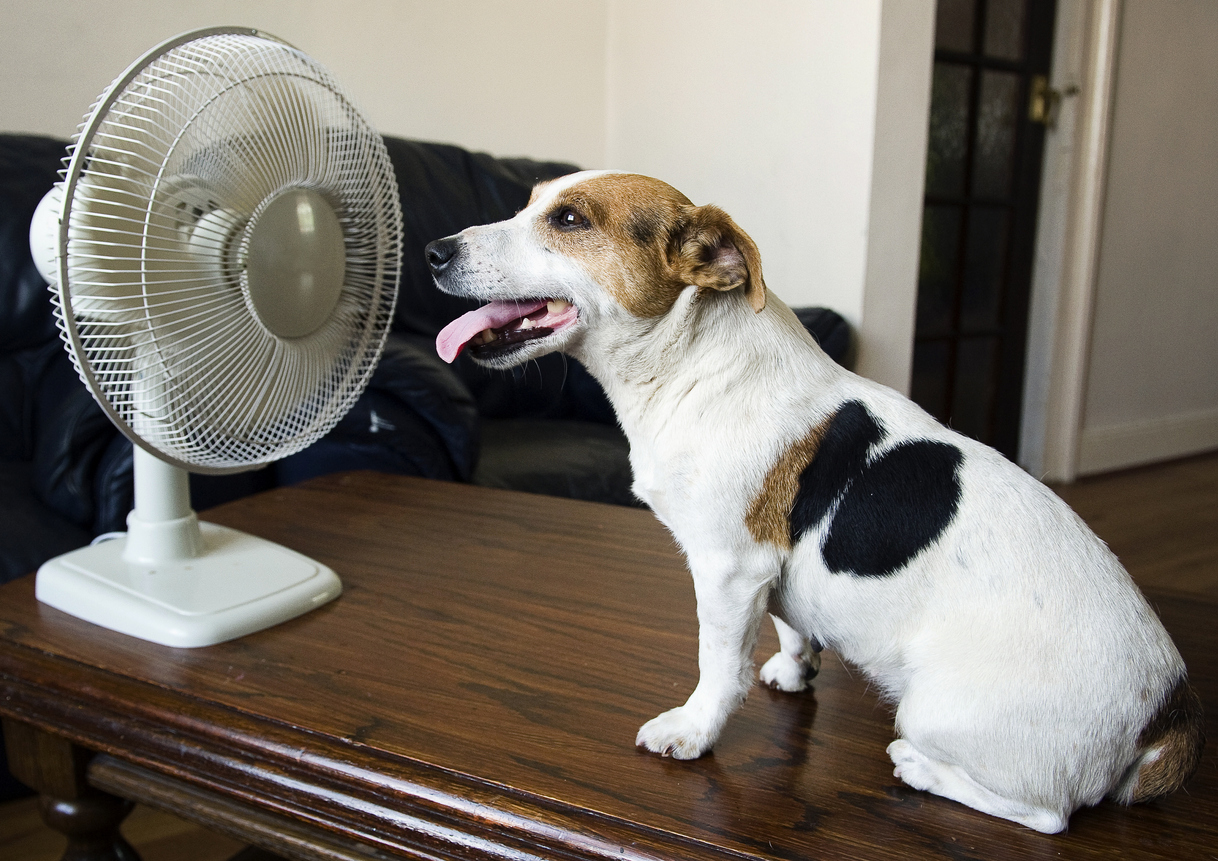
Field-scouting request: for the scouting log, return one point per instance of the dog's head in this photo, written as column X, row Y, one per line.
column 588, row 249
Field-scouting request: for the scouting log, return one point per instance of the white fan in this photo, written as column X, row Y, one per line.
column 224, row 252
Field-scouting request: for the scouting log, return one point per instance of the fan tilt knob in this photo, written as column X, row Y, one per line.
column 295, row 262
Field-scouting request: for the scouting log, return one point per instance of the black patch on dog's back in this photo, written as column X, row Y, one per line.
column 841, row 457
column 890, row 509
column 896, row 507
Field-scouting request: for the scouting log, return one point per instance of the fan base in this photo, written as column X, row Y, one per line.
column 239, row 584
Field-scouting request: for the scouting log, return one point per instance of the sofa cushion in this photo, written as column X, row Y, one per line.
column 830, row 330
column 34, row 369
column 29, row 166
column 30, row 532
column 68, row 450
column 575, row 459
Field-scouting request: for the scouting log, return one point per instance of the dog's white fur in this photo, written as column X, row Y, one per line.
column 1024, row 661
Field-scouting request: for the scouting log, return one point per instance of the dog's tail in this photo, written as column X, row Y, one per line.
column 1169, row 748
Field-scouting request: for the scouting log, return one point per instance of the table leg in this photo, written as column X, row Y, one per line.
column 55, row 767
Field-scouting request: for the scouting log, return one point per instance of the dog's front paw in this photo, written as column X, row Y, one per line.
column 787, row 674
column 676, row 733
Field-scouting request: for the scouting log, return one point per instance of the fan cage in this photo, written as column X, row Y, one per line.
column 167, row 173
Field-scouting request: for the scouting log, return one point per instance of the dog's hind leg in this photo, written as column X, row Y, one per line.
column 731, row 604
column 795, row 663
column 951, row 781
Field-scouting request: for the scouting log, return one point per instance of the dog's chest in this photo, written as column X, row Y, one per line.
column 665, row 480
column 693, row 480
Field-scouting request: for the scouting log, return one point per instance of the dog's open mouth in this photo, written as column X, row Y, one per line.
column 499, row 326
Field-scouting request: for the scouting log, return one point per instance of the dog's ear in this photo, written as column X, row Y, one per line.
column 712, row 253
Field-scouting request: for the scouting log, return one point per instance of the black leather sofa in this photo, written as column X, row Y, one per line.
column 65, row 471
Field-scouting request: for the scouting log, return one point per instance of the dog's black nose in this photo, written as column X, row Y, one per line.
column 441, row 252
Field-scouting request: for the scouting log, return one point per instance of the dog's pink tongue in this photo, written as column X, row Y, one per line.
column 453, row 337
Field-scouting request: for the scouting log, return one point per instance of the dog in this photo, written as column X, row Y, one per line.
column 1029, row 674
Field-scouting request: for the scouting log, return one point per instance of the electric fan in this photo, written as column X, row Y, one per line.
column 223, row 253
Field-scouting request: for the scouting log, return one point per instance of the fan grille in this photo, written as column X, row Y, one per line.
column 166, row 178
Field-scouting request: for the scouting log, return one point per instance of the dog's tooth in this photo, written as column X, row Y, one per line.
column 486, row 336
column 557, row 306
column 526, row 323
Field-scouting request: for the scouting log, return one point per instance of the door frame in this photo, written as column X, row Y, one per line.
column 1068, row 238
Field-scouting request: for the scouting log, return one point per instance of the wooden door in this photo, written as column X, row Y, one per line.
column 979, row 218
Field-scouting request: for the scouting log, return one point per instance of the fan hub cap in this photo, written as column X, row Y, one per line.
column 295, row 262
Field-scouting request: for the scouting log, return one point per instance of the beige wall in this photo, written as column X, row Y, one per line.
column 769, row 109
column 806, row 120
column 1152, row 384
column 513, row 78
column 777, row 130
column 898, row 172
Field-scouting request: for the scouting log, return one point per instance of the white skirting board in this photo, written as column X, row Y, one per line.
column 1103, row 449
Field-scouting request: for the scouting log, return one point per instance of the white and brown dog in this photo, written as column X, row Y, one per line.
column 1030, row 675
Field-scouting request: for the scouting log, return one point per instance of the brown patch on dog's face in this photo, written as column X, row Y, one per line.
column 645, row 242
column 769, row 517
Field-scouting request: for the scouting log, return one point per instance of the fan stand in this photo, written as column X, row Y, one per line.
column 178, row 582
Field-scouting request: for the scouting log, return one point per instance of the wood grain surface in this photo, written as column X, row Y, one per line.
column 476, row 690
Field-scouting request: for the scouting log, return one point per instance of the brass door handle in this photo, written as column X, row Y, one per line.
column 1044, row 101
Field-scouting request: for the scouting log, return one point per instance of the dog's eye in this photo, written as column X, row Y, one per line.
column 568, row 219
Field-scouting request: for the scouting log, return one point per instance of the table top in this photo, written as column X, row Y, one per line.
column 479, row 684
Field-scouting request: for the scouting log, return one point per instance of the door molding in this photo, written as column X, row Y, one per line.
column 898, row 174
column 1068, row 239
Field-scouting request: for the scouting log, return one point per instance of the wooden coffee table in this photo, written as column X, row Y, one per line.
column 475, row 693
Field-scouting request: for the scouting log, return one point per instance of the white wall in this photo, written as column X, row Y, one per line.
column 511, row 77
column 770, row 110
column 524, row 77
column 898, row 174
column 773, row 116
column 1152, row 386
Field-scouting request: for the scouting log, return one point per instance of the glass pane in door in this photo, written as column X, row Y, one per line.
column 997, row 119
column 973, row 393
column 985, row 265
column 954, row 25
column 937, row 269
column 1004, row 26
column 947, row 147
column 931, row 372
